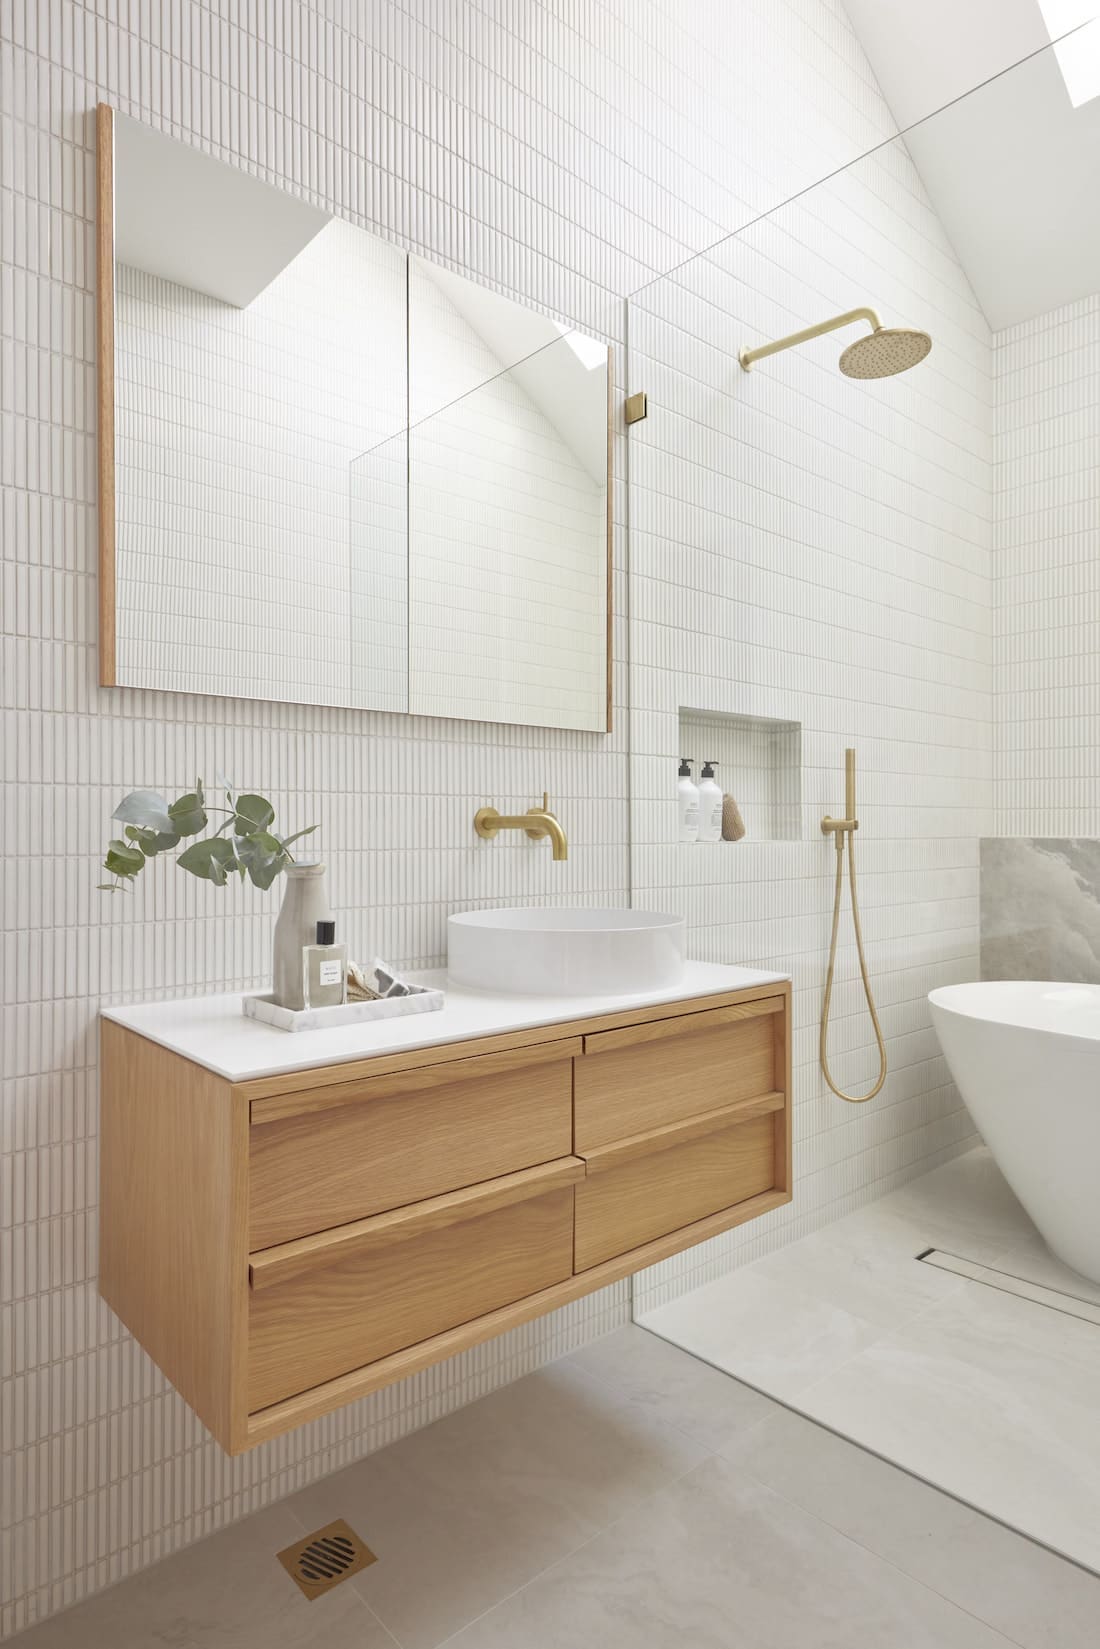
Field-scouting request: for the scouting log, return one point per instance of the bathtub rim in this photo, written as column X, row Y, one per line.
column 975, row 1000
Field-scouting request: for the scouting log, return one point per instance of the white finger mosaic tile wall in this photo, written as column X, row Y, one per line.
column 565, row 153
column 1048, row 573
column 816, row 550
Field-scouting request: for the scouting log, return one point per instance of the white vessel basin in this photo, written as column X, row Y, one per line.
column 565, row 952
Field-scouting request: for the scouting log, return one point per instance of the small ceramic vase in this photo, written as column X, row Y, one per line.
column 305, row 903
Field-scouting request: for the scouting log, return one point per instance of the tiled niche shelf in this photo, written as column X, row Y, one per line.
column 759, row 764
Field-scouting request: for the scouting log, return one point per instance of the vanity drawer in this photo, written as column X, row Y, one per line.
column 649, row 1075
column 324, row 1305
column 319, row 1159
column 653, row 1184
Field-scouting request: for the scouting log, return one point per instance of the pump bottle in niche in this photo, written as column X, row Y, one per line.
column 688, row 796
column 710, row 805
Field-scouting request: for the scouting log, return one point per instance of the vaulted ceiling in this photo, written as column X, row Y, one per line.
column 1012, row 167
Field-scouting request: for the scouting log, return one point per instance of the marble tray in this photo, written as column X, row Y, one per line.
column 419, row 1000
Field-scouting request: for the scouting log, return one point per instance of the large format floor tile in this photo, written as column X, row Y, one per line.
column 227, row 1592
column 1034, row 1597
column 993, row 1398
column 965, row 1206
column 764, row 1331
column 465, row 1511
column 988, row 1395
column 681, row 1390
column 629, row 1497
column 718, row 1561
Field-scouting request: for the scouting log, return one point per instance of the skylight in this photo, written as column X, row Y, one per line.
column 1079, row 53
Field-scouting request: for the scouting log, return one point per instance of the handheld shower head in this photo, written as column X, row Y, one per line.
column 884, row 350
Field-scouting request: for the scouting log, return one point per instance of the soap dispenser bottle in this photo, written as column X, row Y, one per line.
column 688, row 794
column 710, row 805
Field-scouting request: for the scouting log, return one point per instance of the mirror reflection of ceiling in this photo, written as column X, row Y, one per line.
column 519, row 341
column 1013, row 170
column 193, row 220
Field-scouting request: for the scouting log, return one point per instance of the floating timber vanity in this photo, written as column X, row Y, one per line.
column 289, row 1222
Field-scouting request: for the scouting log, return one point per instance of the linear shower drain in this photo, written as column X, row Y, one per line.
column 325, row 1558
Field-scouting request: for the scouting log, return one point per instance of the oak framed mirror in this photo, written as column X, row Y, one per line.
column 332, row 472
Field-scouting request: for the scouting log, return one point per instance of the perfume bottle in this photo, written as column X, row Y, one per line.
column 325, row 970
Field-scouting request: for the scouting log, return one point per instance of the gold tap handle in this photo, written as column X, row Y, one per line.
column 849, row 784
column 546, row 801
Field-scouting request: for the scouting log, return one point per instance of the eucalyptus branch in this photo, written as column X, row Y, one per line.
column 152, row 825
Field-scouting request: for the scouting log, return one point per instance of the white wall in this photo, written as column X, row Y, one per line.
column 1048, row 574
column 567, row 155
column 817, row 550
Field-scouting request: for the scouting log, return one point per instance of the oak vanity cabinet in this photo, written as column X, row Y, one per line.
column 285, row 1245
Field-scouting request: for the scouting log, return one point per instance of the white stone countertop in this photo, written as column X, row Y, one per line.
column 212, row 1030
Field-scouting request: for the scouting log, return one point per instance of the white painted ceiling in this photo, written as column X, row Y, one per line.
column 196, row 221
column 1013, row 169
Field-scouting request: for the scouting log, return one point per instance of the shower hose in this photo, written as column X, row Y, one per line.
column 853, row 1099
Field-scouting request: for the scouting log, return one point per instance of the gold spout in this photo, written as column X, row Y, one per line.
column 537, row 822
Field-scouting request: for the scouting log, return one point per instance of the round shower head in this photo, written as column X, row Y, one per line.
column 886, row 350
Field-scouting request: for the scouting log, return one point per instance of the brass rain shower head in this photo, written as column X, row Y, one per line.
column 884, row 351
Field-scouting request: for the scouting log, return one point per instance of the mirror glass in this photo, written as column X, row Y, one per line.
column 508, row 528
column 343, row 476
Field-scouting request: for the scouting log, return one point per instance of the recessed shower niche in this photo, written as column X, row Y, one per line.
column 759, row 764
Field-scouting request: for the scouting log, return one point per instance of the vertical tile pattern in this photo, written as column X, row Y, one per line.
column 1047, row 374
column 816, row 550
column 567, row 155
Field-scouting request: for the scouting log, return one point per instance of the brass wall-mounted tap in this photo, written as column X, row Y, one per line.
column 537, row 822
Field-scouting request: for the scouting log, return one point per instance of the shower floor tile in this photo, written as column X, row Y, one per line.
column 985, row 1394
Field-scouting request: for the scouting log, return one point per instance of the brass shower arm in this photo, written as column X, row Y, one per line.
column 748, row 356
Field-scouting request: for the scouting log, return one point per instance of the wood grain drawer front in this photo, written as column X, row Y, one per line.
column 650, row 1194
column 330, row 1312
column 398, row 1139
column 649, row 1075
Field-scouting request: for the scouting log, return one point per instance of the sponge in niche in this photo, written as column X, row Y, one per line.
column 733, row 825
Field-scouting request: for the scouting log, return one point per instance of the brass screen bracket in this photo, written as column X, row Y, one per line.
column 635, row 407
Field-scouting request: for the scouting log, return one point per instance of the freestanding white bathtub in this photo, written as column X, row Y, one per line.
column 1026, row 1057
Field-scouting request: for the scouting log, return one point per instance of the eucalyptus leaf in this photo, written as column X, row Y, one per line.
column 152, row 842
column 123, row 859
column 187, row 815
column 246, row 841
column 145, row 809
column 297, row 836
column 262, row 856
column 253, row 813
column 211, row 859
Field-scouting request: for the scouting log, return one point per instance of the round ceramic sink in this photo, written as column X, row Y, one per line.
column 565, row 951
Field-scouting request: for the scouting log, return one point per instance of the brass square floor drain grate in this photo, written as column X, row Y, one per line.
column 325, row 1558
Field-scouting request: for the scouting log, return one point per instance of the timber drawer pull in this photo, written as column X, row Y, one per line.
column 688, row 1024
column 602, row 1157
column 326, row 1248
column 417, row 1080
